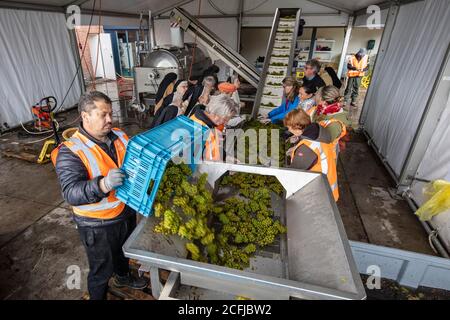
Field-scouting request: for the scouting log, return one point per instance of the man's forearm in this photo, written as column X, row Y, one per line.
column 77, row 188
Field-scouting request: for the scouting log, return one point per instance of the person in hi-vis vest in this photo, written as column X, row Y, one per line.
column 88, row 169
column 312, row 148
column 215, row 116
column 356, row 69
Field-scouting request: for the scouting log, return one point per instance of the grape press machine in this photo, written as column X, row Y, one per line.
column 312, row 261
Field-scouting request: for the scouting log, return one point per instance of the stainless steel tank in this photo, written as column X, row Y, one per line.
column 179, row 59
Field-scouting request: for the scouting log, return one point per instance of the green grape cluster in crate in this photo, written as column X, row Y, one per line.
column 225, row 233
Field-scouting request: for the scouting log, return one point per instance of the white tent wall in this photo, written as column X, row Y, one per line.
column 436, row 165
column 395, row 103
column 37, row 60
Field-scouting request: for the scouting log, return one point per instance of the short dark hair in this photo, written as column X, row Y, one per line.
column 86, row 102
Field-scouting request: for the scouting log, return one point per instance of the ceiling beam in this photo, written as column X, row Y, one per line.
column 76, row 3
column 169, row 8
column 383, row 5
column 29, row 6
column 248, row 15
column 331, row 6
column 111, row 14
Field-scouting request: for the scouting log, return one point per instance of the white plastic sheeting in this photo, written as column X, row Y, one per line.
column 36, row 60
column 404, row 80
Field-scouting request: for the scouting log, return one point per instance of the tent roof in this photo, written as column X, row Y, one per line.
column 120, row 7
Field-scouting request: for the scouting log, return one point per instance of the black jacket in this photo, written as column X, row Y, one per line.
column 76, row 187
column 164, row 114
column 305, row 157
column 193, row 93
column 316, row 82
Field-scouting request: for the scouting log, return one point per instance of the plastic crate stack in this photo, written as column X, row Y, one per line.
column 148, row 154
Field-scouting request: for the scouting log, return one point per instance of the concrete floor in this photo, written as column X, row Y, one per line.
column 39, row 242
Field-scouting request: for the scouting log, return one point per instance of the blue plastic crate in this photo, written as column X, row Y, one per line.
column 147, row 156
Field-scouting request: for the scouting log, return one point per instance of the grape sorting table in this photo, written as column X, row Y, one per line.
column 312, row 261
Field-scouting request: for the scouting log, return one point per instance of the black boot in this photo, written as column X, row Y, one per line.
column 130, row 281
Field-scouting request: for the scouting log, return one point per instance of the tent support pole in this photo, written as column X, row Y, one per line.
column 436, row 104
column 348, row 34
column 384, row 45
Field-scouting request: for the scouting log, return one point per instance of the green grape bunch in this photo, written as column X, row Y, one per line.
column 244, row 224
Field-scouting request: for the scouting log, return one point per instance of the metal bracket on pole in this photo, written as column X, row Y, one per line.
column 348, row 34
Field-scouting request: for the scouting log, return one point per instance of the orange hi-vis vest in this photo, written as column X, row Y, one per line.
column 361, row 64
column 335, row 142
column 325, row 164
column 97, row 163
column 212, row 144
column 311, row 112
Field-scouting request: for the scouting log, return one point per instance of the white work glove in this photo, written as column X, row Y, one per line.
column 114, row 179
column 293, row 139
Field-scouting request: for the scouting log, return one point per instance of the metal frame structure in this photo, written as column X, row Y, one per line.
column 416, row 149
column 335, row 263
column 408, row 268
column 348, row 33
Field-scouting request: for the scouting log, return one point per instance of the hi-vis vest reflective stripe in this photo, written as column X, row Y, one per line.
column 325, row 161
column 335, row 142
column 212, row 145
column 311, row 112
column 97, row 163
column 361, row 64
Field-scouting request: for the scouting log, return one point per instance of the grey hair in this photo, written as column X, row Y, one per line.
column 177, row 98
column 222, row 105
column 209, row 81
column 314, row 63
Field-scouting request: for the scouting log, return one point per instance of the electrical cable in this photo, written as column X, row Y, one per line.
column 34, row 133
column 212, row 4
column 79, row 64
column 36, row 141
column 256, row 7
column 39, row 132
column 243, row 11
